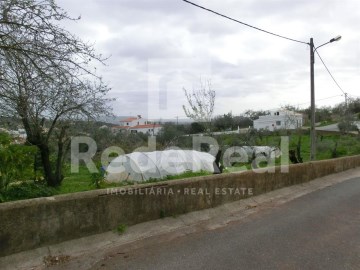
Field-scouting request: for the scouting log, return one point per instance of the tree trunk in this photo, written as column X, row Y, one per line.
column 45, row 158
column 34, row 138
column 60, row 156
column 58, row 169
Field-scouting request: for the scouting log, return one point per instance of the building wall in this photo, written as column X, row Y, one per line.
column 133, row 123
column 279, row 120
column 151, row 131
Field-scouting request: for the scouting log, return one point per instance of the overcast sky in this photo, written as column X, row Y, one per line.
column 157, row 47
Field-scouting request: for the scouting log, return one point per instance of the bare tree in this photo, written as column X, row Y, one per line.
column 29, row 29
column 45, row 78
column 201, row 103
column 292, row 121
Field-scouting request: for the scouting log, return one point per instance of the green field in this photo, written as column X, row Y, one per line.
column 347, row 145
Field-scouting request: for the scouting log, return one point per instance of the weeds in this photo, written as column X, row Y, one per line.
column 121, row 229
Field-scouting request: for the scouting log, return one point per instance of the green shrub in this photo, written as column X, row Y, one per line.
column 16, row 161
column 97, row 179
column 26, row 190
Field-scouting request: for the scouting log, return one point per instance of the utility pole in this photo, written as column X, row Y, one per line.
column 312, row 124
column 346, row 101
column 312, row 62
column 346, row 114
column 312, row 127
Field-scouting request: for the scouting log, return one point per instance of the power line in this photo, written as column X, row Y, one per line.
column 320, row 99
column 306, row 103
column 248, row 25
column 330, row 73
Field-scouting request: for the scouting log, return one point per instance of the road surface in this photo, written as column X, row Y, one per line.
column 333, row 127
column 320, row 230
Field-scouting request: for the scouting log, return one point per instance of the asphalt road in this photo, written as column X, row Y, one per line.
column 333, row 127
column 320, row 230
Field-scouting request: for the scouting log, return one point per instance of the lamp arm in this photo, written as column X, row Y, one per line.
column 322, row 45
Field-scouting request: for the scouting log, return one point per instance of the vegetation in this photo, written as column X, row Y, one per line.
column 30, row 186
column 27, row 182
column 229, row 122
column 187, row 174
column 27, row 190
column 121, row 229
column 16, row 162
column 46, row 79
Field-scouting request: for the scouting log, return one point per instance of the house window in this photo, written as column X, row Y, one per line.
column 127, row 124
column 278, row 123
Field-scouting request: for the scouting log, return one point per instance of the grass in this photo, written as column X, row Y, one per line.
column 83, row 181
column 187, row 174
column 77, row 182
column 74, row 182
column 346, row 145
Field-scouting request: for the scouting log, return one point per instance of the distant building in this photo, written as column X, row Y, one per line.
column 4, row 130
column 18, row 136
column 357, row 124
column 104, row 127
column 137, row 124
column 279, row 119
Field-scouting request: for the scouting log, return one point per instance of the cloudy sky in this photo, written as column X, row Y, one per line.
column 157, row 47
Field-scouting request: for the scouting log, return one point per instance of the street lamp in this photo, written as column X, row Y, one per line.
column 312, row 83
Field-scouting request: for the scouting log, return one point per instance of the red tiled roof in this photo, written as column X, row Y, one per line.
column 122, row 127
column 139, row 126
column 130, row 119
column 145, row 126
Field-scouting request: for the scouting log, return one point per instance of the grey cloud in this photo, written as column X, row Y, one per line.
column 265, row 67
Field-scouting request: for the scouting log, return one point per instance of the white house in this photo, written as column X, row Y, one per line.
column 137, row 124
column 279, row 119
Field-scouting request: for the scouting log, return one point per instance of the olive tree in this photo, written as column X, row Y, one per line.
column 46, row 78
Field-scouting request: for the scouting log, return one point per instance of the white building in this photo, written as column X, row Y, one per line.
column 19, row 136
column 137, row 124
column 279, row 119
